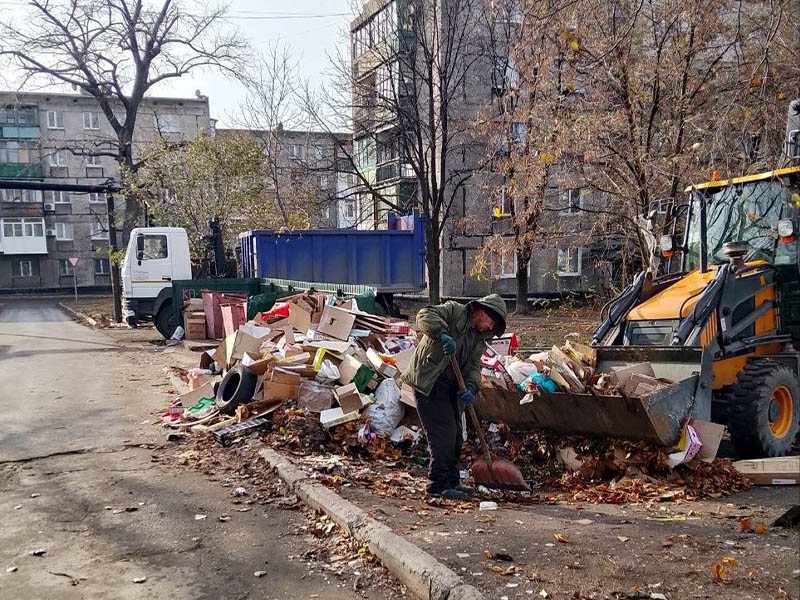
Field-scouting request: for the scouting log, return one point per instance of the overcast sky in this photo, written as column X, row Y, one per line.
column 311, row 29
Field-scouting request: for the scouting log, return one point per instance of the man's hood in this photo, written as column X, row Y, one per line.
column 496, row 307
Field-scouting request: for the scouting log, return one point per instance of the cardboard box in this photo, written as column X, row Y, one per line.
column 234, row 346
column 407, row 395
column 620, row 377
column 348, row 368
column 275, row 390
column 336, row 323
column 300, row 316
column 348, row 397
column 771, row 471
column 382, row 367
column 336, row 416
column 710, row 435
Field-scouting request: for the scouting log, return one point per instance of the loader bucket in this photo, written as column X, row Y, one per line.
column 658, row 417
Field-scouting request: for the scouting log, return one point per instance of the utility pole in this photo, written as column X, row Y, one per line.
column 116, row 290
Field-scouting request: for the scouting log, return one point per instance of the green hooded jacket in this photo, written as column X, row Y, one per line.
column 453, row 318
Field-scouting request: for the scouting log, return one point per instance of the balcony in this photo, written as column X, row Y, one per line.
column 19, row 132
column 20, row 171
column 23, row 236
column 394, row 170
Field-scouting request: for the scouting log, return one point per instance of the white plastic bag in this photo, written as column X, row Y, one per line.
column 387, row 412
column 519, row 370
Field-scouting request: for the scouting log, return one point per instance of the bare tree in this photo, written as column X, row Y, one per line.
column 117, row 51
column 402, row 96
column 295, row 160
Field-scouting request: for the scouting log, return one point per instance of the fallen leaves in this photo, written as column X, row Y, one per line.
column 719, row 572
column 504, row 572
column 762, row 528
column 746, row 525
column 622, row 538
column 560, row 537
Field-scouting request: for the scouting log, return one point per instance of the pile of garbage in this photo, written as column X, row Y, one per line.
column 317, row 376
column 314, row 367
column 569, row 368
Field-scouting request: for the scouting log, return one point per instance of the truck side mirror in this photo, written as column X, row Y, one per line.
column 139, row 249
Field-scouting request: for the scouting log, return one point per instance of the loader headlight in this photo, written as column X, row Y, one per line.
column 667, row 246
column 786, row 231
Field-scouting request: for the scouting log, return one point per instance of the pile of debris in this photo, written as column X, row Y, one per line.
column 318, row 376
column 569, row 368
column 327, row 370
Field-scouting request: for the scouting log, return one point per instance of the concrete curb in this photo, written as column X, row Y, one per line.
column 425, row 577
column 77, row 315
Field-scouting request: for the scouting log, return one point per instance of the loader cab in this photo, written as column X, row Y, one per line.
column 762, row 212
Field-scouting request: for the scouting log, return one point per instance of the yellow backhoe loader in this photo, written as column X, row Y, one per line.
column 725, row 329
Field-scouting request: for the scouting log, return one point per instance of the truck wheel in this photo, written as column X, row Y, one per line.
column 764, row 411
column 165, row 320
column 237, row 387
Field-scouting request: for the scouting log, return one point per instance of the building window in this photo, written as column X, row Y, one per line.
column 505, row 204
column 518, row 133
column 96, row 197
column 101, row 266
column 572, row 201
column 99, row 231
column 350, row 208
column 25, row 268
column 504, row 75
column 662, row 206
column 58, row 158
column 57, row 197
column 19, row 115
column 55, row 119
column 296, row 150
column 319, row 152
column 64, row 267
column 91, row 120
column 64, row 231
column 569, row 261
column 23, row 228
column 323, row 181
column 20, row 195
column 167, row 123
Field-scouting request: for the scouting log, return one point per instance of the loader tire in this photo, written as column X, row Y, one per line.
column 237, row 387
column 764, row 410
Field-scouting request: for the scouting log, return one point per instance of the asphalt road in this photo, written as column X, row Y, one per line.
column 74, row 481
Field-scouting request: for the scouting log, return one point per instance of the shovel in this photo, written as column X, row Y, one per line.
column 492, row 472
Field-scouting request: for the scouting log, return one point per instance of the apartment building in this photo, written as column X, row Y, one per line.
column 382, row 41
column 309, row 164
column 64, row 138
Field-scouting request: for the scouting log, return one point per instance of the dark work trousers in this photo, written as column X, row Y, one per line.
column 440, row 413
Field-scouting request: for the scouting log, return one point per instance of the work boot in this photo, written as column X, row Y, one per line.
column 448, row 494
column 464, row 489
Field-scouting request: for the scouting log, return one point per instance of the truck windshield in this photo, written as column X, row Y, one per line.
column 747, row 212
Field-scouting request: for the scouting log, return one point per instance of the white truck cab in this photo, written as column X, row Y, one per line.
column 154, row 258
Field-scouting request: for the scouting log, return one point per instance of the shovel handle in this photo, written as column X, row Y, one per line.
column 471, row 410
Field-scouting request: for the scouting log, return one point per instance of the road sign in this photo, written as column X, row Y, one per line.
column 73, row 260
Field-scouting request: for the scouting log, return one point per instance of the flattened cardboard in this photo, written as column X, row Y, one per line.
column 382, row 367
column 771, row 471
column 620, row 377
column 336, row 323
column 403, row 359
column 710, row 435
column 191, row 398
column 348, row 397
column 256, row 331
column 336, row 416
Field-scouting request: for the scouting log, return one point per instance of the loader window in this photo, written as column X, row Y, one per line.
column 750, row 213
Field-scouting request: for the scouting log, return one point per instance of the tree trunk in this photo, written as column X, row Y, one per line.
column 522, row 285
column 432, row 259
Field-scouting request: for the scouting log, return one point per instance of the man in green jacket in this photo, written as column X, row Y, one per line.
column 449, row 329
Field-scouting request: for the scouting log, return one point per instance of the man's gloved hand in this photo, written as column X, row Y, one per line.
column 448, row 343
column 467, row 396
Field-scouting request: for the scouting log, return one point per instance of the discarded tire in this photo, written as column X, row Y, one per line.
column 237, row 387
